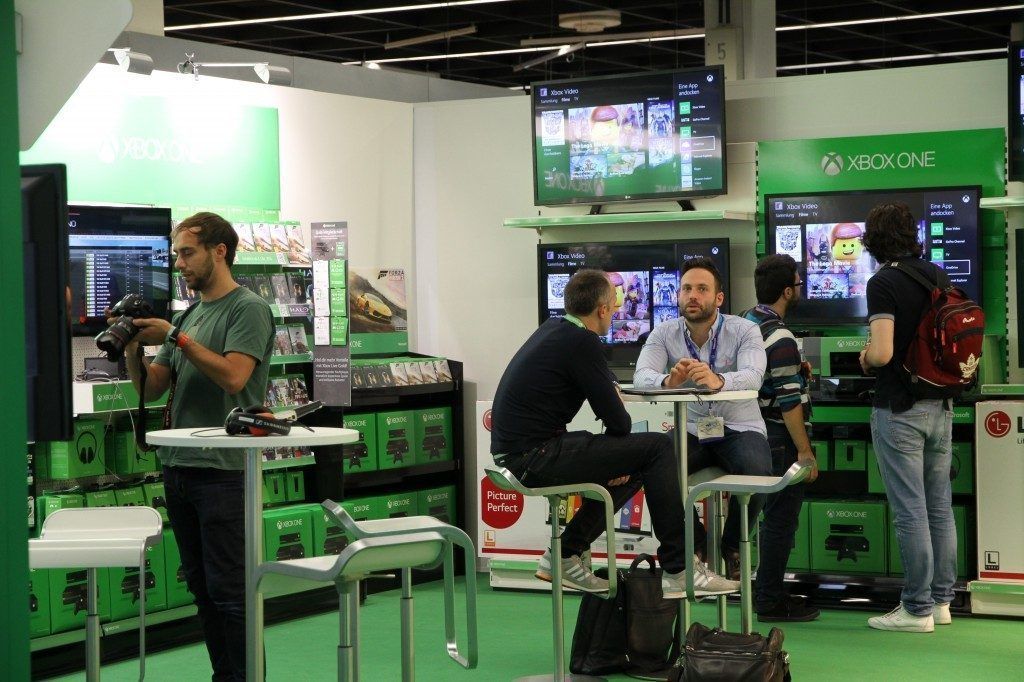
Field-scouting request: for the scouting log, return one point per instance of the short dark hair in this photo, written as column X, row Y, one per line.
column 891, row 233
column 772, row 275
column 211, row 230
column 586, row 290
column 702, row 264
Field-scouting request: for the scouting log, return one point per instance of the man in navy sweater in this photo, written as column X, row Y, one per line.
column 561, row 365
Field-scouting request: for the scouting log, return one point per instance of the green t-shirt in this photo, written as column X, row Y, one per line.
column 238, row 322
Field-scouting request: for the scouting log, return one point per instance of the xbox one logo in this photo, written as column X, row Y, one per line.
column 832, row 163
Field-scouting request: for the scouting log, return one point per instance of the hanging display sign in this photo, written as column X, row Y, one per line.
column 332, row 373
column 379, row 310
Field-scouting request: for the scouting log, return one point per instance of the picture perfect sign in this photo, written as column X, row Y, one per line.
column 161, row 151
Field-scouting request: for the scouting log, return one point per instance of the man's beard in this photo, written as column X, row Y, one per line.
column 705, row 314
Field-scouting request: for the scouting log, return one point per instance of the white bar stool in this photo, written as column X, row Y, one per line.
column 403, row 543
column 102, row 537
column 506, row 480
column 743, row 487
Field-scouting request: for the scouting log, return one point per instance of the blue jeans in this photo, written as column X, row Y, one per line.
column 740, row 452
column 778, row 530
column 914, row 452
column 206, row 508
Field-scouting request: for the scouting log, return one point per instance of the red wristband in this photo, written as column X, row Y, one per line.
column 183, row 339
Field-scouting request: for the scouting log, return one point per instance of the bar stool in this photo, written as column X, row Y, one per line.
column 101, row 537
column 506, row 480
column 743, row 487
column 403, row 543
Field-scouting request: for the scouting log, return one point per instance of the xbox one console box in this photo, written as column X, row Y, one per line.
column 433, row 435
column 395, row 434
column 848, row 537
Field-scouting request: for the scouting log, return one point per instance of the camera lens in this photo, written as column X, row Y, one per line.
column 113, row 340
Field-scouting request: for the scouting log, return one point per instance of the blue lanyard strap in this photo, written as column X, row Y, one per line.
column 695, row 353
column 766, row 310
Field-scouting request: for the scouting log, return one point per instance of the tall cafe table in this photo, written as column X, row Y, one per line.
column 252, row 447
column 679, row 400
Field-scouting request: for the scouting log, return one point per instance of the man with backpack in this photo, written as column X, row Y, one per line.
column 924, row 346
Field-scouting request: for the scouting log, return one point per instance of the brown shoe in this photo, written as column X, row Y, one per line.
column 732, row 563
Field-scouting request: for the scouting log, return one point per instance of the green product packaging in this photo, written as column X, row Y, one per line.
column 395, row 435
column 361, row 455
column 47, row 504
column 821, row 453
column 101, row 498
column 328, row 537
column 339, row 331
column 800, row 555
column 959, row 517
column 83, row 455
column 875, row 484
column 128, row 458
column 963, row 468
column 848, row 455
column 124, row 586
column 295, row 486
column 439, row 503
column 339, row 302
column 68, row 595
column 433, row 441
column 38, row 602
column 177, row 588
column 287, row 533
column 130, row 497
column 156, row 498
column 399, row 505
column 848, row 537
column 273, row 488
column 336, row 273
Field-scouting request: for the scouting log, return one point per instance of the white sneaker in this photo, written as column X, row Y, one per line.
column 940, row 613
column 901, row 620
column 705, row 583
column 574, row 574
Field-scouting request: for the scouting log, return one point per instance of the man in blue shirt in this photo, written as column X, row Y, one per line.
column 786, row 408
column 723, row 352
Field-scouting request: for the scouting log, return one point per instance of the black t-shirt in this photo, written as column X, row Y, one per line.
column 545, row 384
column 896, row 296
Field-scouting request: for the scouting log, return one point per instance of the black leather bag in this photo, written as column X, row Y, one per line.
column 633, row 632
column 719, row 656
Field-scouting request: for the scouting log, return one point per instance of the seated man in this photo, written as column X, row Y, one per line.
column 561, row 365
column 722, row 352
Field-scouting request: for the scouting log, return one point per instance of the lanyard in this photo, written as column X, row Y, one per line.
column 575, row 320
column 695, row 353
column 766, row 310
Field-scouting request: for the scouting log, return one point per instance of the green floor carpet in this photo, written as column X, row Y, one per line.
column 515, row 635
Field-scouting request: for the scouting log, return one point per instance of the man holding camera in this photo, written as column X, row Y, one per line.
column 213, row 357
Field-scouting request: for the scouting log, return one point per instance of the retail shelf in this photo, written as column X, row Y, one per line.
column 1009, row 390
column 999, row 203
column 289, row 463
column 383, row 477
column 726, row 217
column 278, row 310
column 861, row 414
column 108, row 396
column 276, row 258
column 73, row 636
column 291, row 359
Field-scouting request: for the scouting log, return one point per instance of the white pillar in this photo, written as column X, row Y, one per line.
column 740, row 35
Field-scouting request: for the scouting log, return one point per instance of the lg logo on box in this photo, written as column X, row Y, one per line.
column 997, row 424
column 487, row 420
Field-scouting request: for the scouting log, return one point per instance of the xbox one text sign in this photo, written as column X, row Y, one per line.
column 834, row 164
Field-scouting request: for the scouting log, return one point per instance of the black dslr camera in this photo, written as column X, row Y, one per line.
column 114, row 338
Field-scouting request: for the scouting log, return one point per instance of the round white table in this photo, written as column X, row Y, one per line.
column 679, row 402
column 252, row 446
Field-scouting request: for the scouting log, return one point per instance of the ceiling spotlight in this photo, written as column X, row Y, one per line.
column 560, row 52
column 267, row 73
column 590, row 22
column 132, row 62
column 373, row 65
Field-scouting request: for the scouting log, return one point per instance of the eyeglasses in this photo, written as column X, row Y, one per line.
column 799, row 283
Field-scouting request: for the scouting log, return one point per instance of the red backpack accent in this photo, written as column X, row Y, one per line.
column 942, row 360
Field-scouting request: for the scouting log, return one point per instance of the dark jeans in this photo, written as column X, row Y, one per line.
column 206, row 508
column 649, row 460
column 740, row 452
column 778, row 530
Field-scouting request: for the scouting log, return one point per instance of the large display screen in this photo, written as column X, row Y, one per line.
column 117, row 251
column 646, row 277
column 1015, row 116
column 615, row 138
column 824, row 234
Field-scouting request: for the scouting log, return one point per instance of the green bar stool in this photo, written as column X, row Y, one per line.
column 506, row 480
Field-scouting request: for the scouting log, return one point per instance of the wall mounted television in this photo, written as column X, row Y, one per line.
column 1015, row 115
column 116, row 251
column 654, row 135
column 823, row 232
column 647, row 277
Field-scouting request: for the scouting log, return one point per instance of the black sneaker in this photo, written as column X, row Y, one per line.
column 790, row 610
column 732, row 563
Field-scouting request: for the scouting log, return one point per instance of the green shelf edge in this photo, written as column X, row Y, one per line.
column 861, row 414
column 78, row 635
column 618, row 218
column 288, row 463
column 290, row 359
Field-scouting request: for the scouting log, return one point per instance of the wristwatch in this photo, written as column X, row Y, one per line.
column 172, row 335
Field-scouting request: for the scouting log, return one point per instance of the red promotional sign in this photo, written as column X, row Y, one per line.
column 487, row 420
column 997, row 424
column 499, row 508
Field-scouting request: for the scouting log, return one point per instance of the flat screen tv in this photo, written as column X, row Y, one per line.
column 44, row 215
column 823, row 232
column 1015, row 115
column 646, row 275
column 654, row 135
column 117, row 251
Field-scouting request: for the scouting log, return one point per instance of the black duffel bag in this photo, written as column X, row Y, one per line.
column 632, row 632
column 719, row 656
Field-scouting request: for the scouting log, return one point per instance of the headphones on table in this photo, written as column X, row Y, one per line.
column 260, row 421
